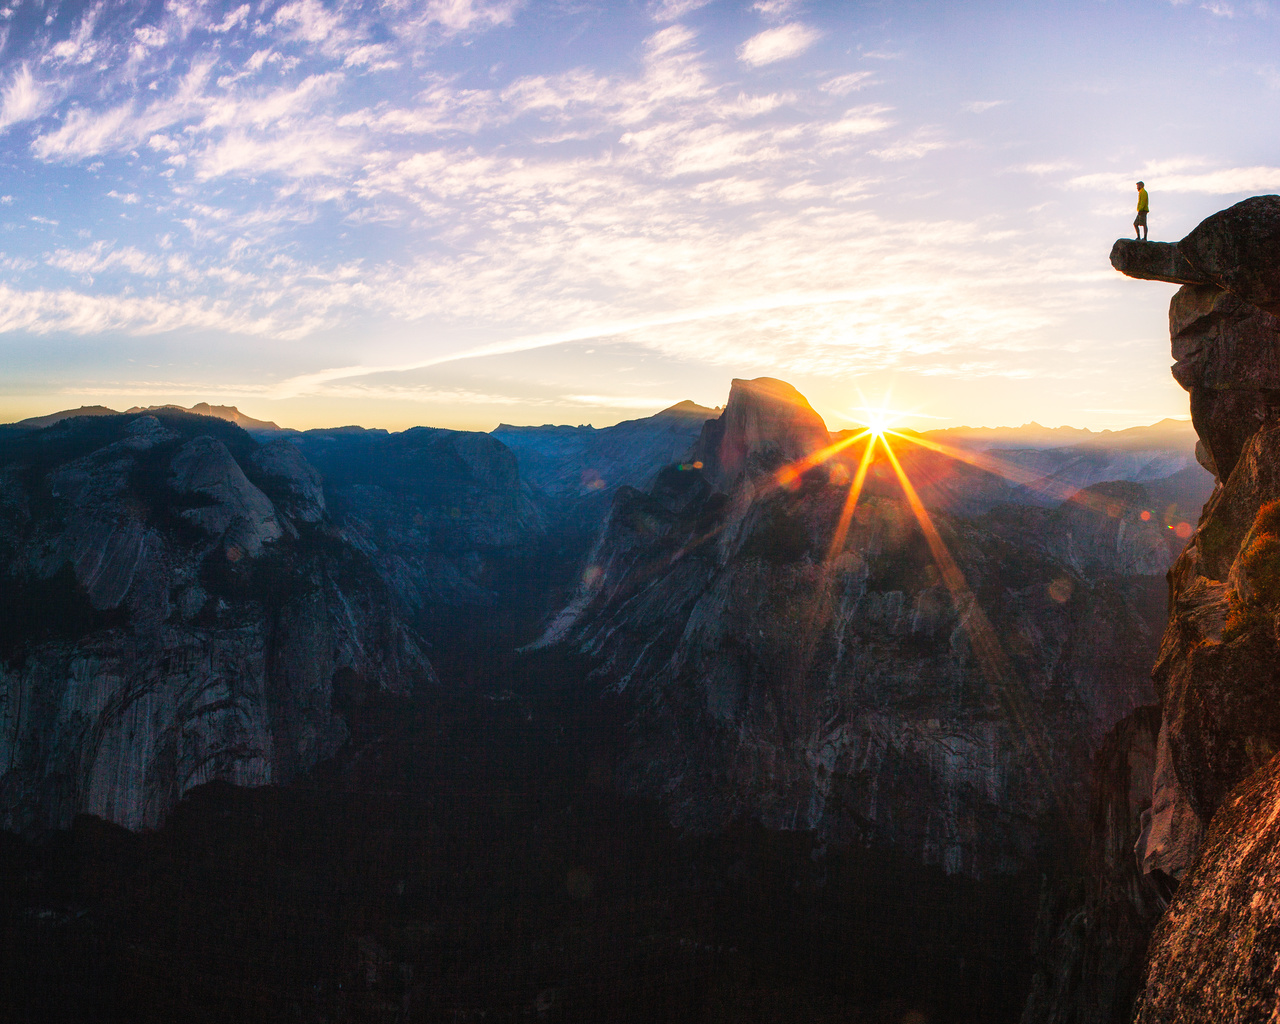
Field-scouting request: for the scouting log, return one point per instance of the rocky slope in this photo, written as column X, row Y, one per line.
column 177, row 607
column 1214, row 954
column 850, row 684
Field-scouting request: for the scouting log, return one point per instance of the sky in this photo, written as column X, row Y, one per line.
column 465, row 212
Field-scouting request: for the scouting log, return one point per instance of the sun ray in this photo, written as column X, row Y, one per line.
column 851, row 502
column 790, row 473
column 1023, row 477
column 986, row 645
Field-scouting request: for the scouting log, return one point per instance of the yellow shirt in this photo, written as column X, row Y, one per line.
column 1143, row 205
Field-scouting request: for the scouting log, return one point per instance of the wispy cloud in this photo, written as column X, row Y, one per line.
column 23, row 98
column 775, row 10
column 101, row 257
column 842, row 85
column 919, row 143
column 775, row 44
column 674, row 10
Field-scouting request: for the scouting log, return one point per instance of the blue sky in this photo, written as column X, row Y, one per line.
column 457, row 212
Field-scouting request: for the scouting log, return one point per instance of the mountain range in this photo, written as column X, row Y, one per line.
column 195, row 596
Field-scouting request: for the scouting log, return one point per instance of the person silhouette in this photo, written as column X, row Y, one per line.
column 1140, row 221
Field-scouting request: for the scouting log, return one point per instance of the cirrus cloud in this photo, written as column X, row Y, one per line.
column 776, row 44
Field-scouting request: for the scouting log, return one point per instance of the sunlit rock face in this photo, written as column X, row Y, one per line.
column 1215, row 955
column 779, row 673
column 766, row 424
column 1238, row 249
column 176, row 609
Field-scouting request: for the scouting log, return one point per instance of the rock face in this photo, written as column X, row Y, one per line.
column 766, row 424
column 438, row 512
column 1223, row 326
column 1154, row 261
column 1238, row 249
column 574, row 471
column 583, row 461
column 1213, row 956
column 839, row 685
column 176, row 609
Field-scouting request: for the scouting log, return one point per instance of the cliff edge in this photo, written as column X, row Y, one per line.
column 1215, row 817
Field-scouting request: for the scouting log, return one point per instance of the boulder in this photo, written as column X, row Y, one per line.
column 1154, row 261
column 1239, row 249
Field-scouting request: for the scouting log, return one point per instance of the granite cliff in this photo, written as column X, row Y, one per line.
column 444, row 515
column 177, row 607
column 1215, row 804
column 782, row 669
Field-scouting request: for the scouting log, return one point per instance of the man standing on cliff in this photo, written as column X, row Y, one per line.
column 1140, row 221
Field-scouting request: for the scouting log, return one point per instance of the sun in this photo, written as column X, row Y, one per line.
column 879, row 421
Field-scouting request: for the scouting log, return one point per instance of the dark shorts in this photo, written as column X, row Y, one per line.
column 1140, row 221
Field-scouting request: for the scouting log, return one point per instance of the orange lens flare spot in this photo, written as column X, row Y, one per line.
column 1145, row 517
column 1183, row 530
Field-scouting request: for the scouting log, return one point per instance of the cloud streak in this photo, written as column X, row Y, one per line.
column 776, row 44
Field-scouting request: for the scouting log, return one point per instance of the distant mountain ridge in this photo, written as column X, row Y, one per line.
column 575, row 463
column 573, row 471
column 223, row 412
column 1167, row 432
